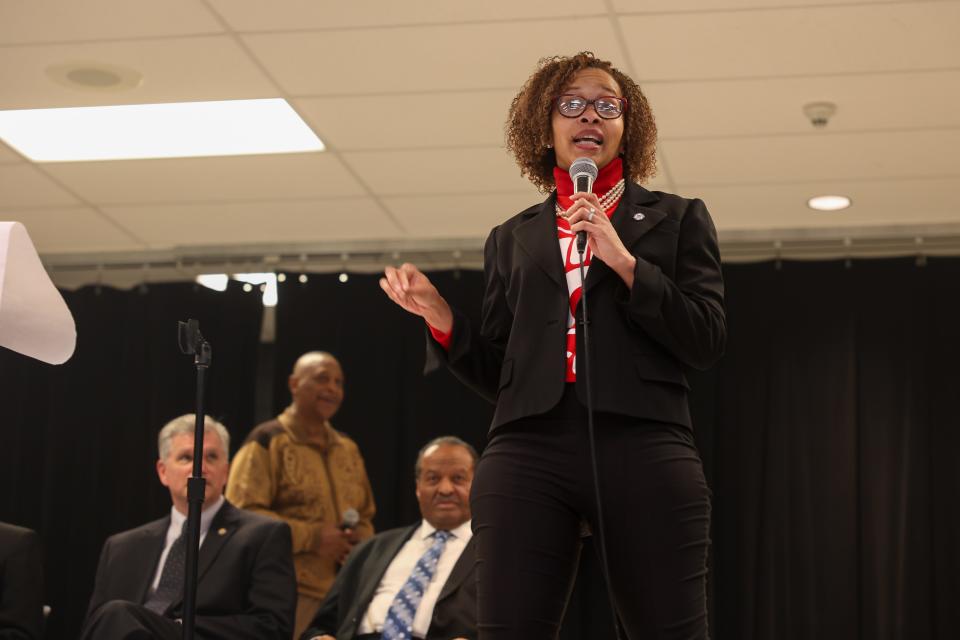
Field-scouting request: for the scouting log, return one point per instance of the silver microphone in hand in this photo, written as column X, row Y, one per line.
column 350, row 519
column 583, row 172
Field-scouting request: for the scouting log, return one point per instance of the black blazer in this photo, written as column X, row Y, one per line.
column 246, row 586
column 340, row 615
column 642, row 338
column 21, row 584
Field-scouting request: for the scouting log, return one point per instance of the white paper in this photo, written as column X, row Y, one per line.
column 34, row 319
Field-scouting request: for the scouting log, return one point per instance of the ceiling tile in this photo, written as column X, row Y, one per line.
column 182, row 180
column 173, row 70
column 891, row 203
column 410, row 59
column 418, row 172
column 8, row 155
column 770, row 106
column 468, row 118
column 458, row 215
column 875, row 37
column 903, row 202
column 268, row 222
column 58, row 21
column 22, row 185
column 256, row 15
column 73, row 230
column 815, row 156
column 661, row 181
column 675, row 6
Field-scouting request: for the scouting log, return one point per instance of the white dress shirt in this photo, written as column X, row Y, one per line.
column 400, row 569
column 173, row 532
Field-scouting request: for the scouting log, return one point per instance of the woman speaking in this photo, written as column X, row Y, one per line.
column 654, row 297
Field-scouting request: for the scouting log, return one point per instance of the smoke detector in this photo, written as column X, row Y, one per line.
column 819, row 113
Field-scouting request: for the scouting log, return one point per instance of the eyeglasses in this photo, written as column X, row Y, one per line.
column 608, row 107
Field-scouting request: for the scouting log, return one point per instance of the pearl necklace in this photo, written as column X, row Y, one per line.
column 607, row 199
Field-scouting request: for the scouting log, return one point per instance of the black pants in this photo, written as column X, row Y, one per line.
column 534, row 486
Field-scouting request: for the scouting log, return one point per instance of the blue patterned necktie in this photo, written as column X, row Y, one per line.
column 399, row 622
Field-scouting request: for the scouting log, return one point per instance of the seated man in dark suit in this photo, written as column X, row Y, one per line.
column 417, row 581
column 21, row 584
column 246, row 586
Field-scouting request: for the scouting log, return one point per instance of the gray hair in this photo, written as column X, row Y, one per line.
column 444, row 440
column 186, row 424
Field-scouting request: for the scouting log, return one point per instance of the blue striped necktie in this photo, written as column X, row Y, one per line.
column 399, row 622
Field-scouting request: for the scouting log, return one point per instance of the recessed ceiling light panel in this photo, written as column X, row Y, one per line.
column 829, row 203
column 174, row 130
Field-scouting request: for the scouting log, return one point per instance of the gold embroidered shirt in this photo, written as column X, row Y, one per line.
column 278, row 472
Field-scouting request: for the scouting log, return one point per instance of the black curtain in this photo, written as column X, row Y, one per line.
column 828, row 434
column 833, row 439
column 78, row 441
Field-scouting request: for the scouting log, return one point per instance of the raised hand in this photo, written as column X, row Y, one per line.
column 412, row 290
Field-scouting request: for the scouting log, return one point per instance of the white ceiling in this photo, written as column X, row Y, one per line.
column 410, row 98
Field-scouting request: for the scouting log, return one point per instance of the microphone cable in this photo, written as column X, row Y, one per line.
column 601, row 536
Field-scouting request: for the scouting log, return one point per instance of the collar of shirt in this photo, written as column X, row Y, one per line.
column 290, row 424
column 463, row 532
column 206, row 517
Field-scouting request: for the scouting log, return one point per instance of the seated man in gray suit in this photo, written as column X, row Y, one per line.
column 246, row 586
column 417, row 581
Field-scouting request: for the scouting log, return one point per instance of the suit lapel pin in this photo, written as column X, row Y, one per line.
column 221, row 531
column 638, row 216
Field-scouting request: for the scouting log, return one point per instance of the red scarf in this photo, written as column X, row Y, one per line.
column 608, row 176
column 606, row 179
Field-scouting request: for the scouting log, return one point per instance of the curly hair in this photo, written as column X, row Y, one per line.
column 529, row 129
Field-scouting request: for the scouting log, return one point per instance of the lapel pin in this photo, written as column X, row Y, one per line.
column 221, row 531
column 638, row 216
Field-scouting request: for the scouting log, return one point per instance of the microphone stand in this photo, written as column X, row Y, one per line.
column 586, row 369
column 192, row 343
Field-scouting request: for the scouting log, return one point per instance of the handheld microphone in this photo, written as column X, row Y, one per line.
column 350, row 519
column 583, row 171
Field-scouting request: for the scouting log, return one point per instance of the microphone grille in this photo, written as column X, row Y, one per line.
column 351, row 518
column 582, row 166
